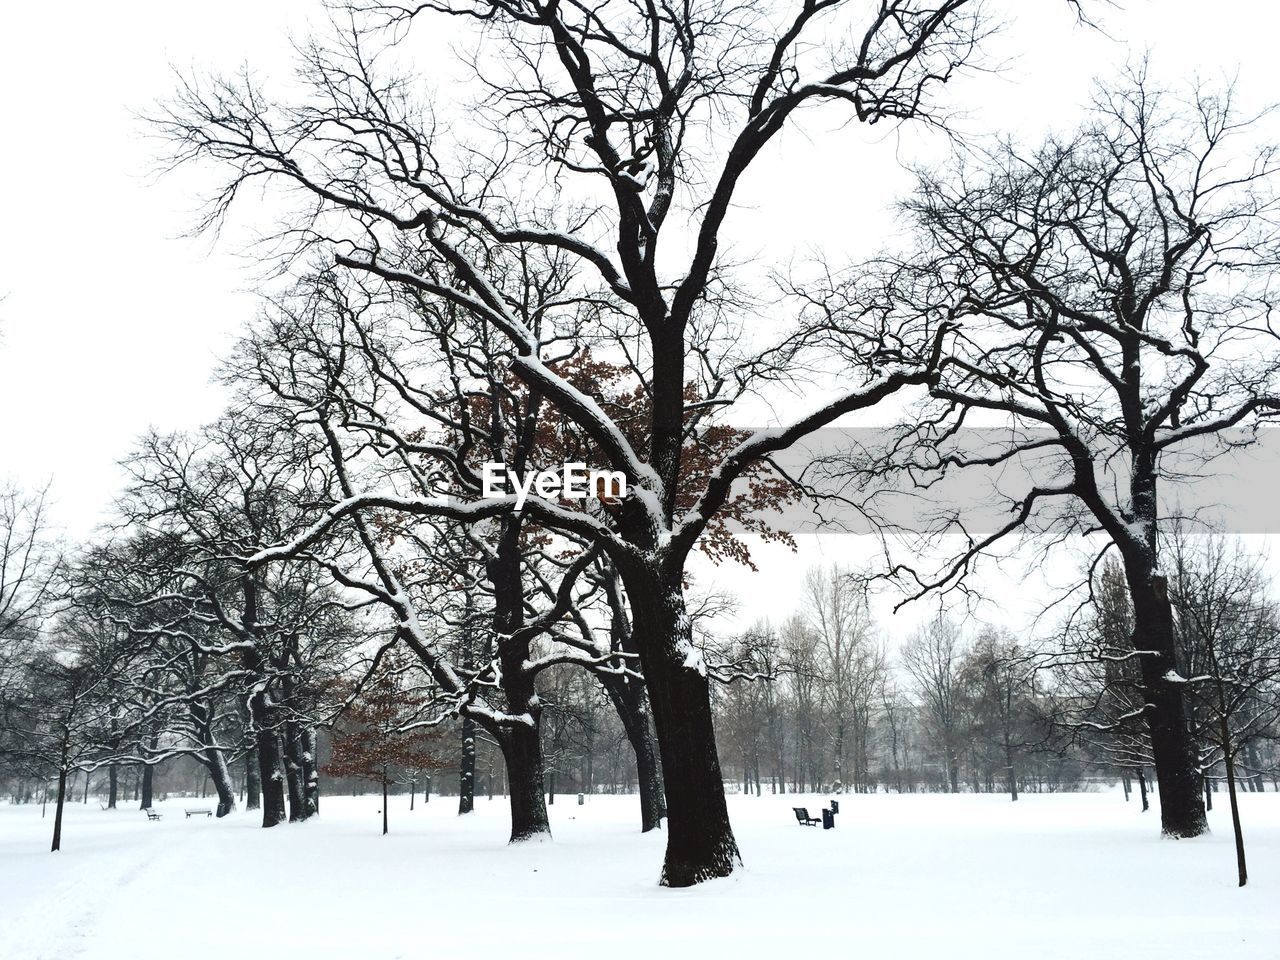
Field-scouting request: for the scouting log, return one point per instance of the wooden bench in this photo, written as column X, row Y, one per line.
column 151, row 814
column 193, row 811
column 803, row 818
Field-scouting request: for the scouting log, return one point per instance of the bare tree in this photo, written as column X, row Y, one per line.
column 655, row 113
column 932, row 659
column 66, row 716
column 276, row 637
column 29, row 564
column 852, row 663
column 803, row 673
column 895, row 710
column 997, row 679
column 1229, row 635
column 1111, row 294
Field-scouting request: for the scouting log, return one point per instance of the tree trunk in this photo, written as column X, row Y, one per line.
column 148, row 776
column 1177, row 777
column 521, row 743
column 1255, row 782
column 252, row 780
column 293, row 772
column 631, row 702
column 271, row 778
column 299, row 760
column 522, row 754
column 212, row 758
column 216, row 764
column 467, row 768
column 310, row 772
column 1241, row 869
column 1142, row 789
column 270, row 762
column 1229, row 760
column 1009, row 769
column 384, row 803
column 839, row 747
column 57, row 816
column 148, row 772
column 700, row 841
column 113, row 786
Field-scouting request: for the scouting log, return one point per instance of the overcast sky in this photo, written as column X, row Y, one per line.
column 112, row 319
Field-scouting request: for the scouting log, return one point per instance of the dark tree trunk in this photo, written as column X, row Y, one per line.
column 294, row 776
column 1178, row 778
column 522, row 753
column 1229, row 760
column 700, row 842
column 271, row 777
column 467, row 768
column 1142, row 790
column 384, row 803
column 148, row 776
column 57, row 815
column 632, row 705
column 212, row 758
column 113, row 786
column 299, row 762
column 148, row 772
column 310, row 772
column 1241, row 870
column 1010, row 771
column 630, row 701
column 1255, row 782
column 252, row 780
column 521, row 743
column 216, row 764
column 270, row 762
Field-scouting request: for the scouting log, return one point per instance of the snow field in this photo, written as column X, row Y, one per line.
column 1052, row 876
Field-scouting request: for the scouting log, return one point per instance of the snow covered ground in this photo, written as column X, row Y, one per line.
column 1080, row 876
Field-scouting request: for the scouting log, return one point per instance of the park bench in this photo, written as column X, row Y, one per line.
column 151, row 814
column 193, row 811
column 803, row 818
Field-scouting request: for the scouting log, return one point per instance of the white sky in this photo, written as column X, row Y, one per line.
column 111, row 319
